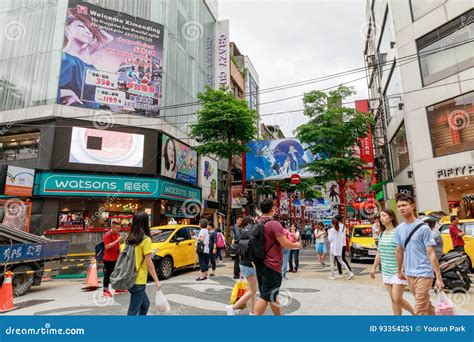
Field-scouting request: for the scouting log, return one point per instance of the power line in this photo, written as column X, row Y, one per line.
column 274, row 113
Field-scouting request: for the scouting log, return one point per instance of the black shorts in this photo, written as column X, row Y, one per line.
column 269, row 283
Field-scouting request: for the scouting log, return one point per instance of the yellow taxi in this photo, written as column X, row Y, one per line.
column 174, row 247
column 361, row 244
column 467, row 226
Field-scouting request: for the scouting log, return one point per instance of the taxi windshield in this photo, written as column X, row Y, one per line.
column 362, row 232
column 161, row 235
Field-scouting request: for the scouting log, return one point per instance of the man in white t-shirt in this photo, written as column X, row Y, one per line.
column 203, row 238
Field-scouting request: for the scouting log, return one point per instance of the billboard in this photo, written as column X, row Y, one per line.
column 105, row 147
column 19, row 181
column 178, row 161
column 110, row 61
column 236, row 191
column 208, row 178
column 276, row 159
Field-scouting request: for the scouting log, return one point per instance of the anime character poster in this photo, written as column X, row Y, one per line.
column 284, row 203
column 110, row 61
column 178, row 161
column 276, row 159
column 236, row 196
column 332, row 193
column 208, row 178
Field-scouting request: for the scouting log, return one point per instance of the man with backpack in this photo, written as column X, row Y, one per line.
column 269, row 263
column 416, row 258
column 220, row 244
column 112, row 241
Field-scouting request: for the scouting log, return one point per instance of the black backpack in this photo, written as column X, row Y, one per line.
column 251, row 246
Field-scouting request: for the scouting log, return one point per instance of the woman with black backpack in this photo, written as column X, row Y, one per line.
column 140, row 238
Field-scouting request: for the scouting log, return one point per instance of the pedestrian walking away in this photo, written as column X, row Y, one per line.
column 202, row 249
column 220, row 244
column 236, row 231
column 416, row 258
column 112, row 241
column 456, row 235
column 343, row 230
column 212, row 248
column 286, row 252
column 321, row 234
column 336, row 239
column 431, row 222
column 294, row 236
column 269, row 275
column 140, row 238
column 387, row 257
column 247, row 269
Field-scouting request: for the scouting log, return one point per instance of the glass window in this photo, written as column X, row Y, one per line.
column 447, row 50
column 399, row 148
column 451, row 125
column 444, row 229
column 392, row 93
column 469, row 228
column 385, row 44
column 181, row 233
column 161, row 235
column 19, row 146
column 421, row 7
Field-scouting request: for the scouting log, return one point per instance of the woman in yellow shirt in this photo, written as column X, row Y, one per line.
column 140, row 237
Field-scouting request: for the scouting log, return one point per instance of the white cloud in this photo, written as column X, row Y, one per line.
column 292, row 41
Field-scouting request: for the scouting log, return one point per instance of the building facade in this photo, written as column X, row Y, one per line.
column 41, row 130
column 420, row 78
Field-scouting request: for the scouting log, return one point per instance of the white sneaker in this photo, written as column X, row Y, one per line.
column 350, row 275
column 339, row 276
column 230, row 311
column 332, row 278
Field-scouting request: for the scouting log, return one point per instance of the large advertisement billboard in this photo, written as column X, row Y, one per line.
column 80, row 146
column 111, row 61
column 276, row 159
column 97, row 146
column 178, row 161
column 208, row 178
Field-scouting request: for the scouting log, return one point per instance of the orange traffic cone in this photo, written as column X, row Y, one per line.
column 92, row 281
column 6, row 293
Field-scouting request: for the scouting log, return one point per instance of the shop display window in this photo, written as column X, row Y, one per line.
column 19, row 146
column 399, row 148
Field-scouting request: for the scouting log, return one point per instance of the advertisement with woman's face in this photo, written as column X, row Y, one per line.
column 178, row 161
column 110, row 61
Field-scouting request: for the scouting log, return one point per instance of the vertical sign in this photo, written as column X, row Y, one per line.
column 366, row 145
column 222, row 54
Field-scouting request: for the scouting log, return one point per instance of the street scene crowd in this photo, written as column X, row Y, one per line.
column 265, row 250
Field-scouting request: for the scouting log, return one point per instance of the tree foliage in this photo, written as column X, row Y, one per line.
column 306, row 186
column 331, row 133
column 223, row 123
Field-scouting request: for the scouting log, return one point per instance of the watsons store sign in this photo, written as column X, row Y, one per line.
column 62, row 184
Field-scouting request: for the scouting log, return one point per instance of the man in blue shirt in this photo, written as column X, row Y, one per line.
column 417, row 263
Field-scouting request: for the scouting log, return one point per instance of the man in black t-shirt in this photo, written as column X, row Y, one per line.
column 212, row 248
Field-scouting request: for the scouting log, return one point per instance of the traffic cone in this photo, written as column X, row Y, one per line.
column 92, row 281
column 6, row 293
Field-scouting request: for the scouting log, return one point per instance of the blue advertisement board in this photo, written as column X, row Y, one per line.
column 276, row 159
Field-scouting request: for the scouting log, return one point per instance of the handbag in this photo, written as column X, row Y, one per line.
column 200, row 247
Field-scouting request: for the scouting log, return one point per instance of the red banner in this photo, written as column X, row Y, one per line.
column 366, row 144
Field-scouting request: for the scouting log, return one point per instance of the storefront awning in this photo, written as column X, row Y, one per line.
column 378, row 185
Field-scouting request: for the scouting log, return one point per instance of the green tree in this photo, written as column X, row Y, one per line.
column 306, row 186
column 224, row 124
column 331, row 132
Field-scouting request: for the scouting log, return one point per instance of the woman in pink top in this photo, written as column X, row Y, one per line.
column 294, row 236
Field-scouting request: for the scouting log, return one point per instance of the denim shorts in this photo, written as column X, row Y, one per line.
column 247, row 271
column 321, row 248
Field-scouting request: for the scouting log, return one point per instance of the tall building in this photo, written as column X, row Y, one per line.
column 420, row 67
column 271, row 132
column 91, row 93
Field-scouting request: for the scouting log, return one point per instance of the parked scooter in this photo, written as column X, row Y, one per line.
column 455, row 272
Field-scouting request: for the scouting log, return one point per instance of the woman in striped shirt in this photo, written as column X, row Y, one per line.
column 387, row 255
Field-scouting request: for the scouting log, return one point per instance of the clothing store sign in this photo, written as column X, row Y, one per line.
column 223, row 54
column 458, row 171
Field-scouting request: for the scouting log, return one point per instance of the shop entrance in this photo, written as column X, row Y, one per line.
column 460, row 196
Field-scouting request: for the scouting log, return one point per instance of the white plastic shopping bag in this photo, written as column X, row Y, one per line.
column 444, row 305
column 161, row 302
